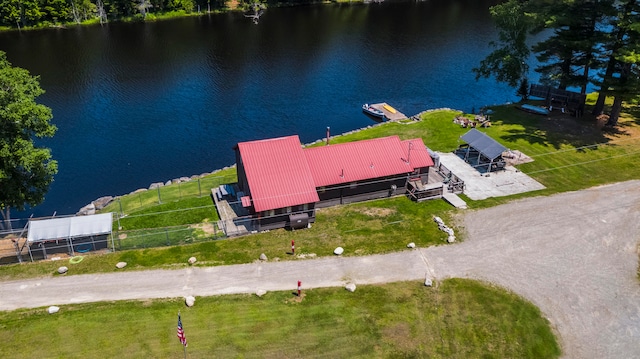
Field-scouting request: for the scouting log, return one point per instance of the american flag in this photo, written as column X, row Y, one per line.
column 181, row 336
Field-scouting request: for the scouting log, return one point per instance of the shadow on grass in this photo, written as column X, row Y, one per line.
column 555, row 130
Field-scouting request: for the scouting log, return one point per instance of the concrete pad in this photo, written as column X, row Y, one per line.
column 495, row 184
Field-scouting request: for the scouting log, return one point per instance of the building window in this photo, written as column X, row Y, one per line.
column 305, row 207
column 320, row 189
column 271, row 213
column 353, row 185
column 289, row 209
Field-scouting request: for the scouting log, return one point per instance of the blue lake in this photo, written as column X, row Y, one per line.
column 139, row 103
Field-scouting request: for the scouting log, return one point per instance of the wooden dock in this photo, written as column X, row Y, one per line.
column 390, row 113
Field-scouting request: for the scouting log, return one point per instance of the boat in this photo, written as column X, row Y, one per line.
column 372, row 111
column 534, row 109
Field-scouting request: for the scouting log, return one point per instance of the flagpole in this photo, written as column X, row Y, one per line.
column 183, row 341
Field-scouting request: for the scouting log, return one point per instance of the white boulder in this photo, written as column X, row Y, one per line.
column 121, row 265
column 411, row 245
column 338, row 251
column 53, row 309
column 63, row 270
column 260, row 292
column 351, row 287
column 263, row 257
column 192, row 260
column 451, row 239
column 190, row 301
column 428, row 282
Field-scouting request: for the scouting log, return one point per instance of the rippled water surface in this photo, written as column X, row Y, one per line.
column 145, row 102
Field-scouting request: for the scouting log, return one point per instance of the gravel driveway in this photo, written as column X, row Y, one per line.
column 574, row 255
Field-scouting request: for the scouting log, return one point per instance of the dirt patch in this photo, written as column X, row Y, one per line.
column 7, row 248
column 515, row 157
column 296, row 298
column 207, row 228
column 378, row 212
column 399, row 335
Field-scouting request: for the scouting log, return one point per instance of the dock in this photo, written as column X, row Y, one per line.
column 389, row 112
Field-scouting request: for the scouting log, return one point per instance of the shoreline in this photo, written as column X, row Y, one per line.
column 169, row 15
column 103, row 201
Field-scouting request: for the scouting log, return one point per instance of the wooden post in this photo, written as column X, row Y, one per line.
column 299, row 287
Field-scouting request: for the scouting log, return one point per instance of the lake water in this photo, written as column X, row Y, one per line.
column 146, row 102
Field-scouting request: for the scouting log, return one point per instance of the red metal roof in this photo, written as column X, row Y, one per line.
column 361, row 160
column 278, row 173
column 418, row 155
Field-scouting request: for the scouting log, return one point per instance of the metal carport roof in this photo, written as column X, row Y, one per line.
column 486, row 145
column 69, row 227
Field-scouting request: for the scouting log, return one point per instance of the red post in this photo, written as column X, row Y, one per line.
column 293, row 247
column 299, row 285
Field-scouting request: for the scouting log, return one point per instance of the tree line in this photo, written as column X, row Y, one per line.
column 589, row 42
column 23, row 13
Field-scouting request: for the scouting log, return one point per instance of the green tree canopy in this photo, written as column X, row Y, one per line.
column 26, row 171
column 508, row 62
column 590, row 42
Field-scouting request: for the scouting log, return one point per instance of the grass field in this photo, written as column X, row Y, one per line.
column 364, row 228
column 459, row 319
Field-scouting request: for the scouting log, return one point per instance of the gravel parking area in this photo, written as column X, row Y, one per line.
column 574, row 255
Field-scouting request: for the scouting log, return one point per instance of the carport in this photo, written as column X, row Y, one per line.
column 76, row 234
column 483, row 150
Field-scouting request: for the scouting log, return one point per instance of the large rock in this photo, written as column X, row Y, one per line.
column 260, row 292
column 190, row 301
column 87, row 210
column 263, row 257
column 121, row 265
column 185, row 179
column 428, row 282
column 167, row 183
column 192, row 260
column 139, row 190
column 156, row 185
column 53, row 309
column 351, row 287
column 451, row 239
column 338, row 251
column 411, row 245
column 102, row 202
column 63, row 270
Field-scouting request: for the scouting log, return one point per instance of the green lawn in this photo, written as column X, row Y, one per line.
column 459, row 319
column 379, row 226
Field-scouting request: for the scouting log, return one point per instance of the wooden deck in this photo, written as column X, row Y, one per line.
column 230, row 214
column 385, row 107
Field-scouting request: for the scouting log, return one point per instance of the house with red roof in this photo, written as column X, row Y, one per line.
column 280, row 183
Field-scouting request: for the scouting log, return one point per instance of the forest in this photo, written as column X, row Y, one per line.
column 43, row 13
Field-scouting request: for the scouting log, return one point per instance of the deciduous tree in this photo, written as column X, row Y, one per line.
column 508, row 62
column 26, row 171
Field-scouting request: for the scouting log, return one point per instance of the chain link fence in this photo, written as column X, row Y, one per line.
column 159, row 193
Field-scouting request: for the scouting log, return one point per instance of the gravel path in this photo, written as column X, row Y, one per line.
column 574, row 255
